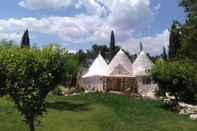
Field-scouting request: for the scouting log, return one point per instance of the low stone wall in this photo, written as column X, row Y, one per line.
column 146, row 89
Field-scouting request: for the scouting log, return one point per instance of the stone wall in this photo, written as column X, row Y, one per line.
column 146, row 87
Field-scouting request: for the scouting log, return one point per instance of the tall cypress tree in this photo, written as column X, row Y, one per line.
column 25, row 41
column 112, row 45
column 174, row 43
column 141, row 47
column 189, row 32
column 164, row 54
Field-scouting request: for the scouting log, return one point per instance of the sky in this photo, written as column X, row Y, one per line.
column 78, row 24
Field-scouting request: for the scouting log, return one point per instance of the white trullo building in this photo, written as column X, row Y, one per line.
column 93, row 79
column 141, row 71
column 120, row 75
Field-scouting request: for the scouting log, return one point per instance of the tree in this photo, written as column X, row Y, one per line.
column 25, row 42
column 187, row 34
column 175, row 36
column 73, row 68
column 7, row 44
column 190, row 6
column 141, row 47
column 176, row 78
column 81, row 56
column 112, row 45
column 164, row 54
column 30, row 76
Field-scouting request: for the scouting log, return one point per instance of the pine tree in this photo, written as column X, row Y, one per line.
column 112, row 45
column 174, row 43
column 25, row 42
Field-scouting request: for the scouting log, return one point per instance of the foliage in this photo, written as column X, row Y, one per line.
column 189, row 39
column 93, row 52
column 183, row 38
column 72, row 66
column 190, row 6
column 175, row 36
column 4, row 44
column 59, row 90
column 25, row 41
column 179, row 79
column 7, row 44
column 81, row 57
column 96, row 49
column 30, row 76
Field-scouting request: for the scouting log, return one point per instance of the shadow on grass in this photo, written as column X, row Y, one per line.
column 166, row 107
column 68, row 106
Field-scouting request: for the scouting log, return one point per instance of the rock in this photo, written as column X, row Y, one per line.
column 127, row 91
column 184, row 105
column 183, row 112
column 75, row 94
column 116, row 92
column 193, row 116
column 89, row 91
column 187, row 109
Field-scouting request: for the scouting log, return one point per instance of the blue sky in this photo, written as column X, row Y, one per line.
column 77, row 24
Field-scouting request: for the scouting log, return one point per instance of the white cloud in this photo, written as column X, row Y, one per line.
column 127, row 14
column 78, row 30
column 10, row 36
column 72, row 51
column 67, row 28
column 152, row 44
column 45, row 4
column 92, row 26
column 92, row 7
column 157, row 7
column 121, row 14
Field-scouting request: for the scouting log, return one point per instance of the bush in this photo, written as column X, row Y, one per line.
column 29, row 75
column 176, row 78
column 59, row 90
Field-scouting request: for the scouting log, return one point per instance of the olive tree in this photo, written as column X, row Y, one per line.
column 30, row 75
column 176, row 78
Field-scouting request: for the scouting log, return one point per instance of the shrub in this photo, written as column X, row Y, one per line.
column 30, row 75
column 59, row 90
column 176, row 78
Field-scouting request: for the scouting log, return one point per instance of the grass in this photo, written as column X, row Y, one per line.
column 98, row 112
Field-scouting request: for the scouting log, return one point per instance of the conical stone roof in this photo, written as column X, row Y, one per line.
column 98, row 68
column 142, row 64
column 120, row 60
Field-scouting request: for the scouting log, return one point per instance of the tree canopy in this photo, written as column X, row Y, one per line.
column 183, row 37
column 28, row 75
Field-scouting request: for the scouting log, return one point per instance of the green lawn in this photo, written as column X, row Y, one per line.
column 98, row 112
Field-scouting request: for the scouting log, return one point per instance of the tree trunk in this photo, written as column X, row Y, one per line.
column 31, row 124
